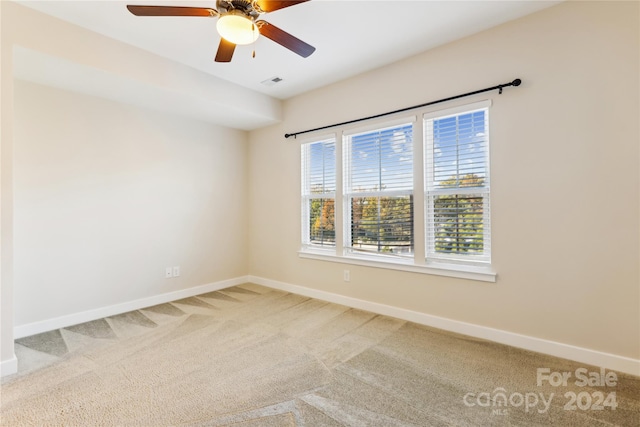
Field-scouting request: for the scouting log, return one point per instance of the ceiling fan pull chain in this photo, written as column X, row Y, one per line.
column 253, row 28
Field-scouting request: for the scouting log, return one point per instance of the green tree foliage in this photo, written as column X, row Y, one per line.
column 385, row 224
column 469, row 180
column 382, row 224
column 458, row 218
column 322, row 221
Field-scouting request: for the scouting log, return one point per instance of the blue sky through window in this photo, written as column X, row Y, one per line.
column 383, row 159
column 322, row 173
column 459, row 147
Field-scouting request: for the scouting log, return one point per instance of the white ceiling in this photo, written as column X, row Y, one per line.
column 350, row 36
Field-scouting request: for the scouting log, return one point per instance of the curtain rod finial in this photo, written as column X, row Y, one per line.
column 516, row 82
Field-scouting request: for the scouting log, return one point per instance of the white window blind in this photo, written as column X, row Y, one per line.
column 318, row 193
column 457, row 186
column 378, row 198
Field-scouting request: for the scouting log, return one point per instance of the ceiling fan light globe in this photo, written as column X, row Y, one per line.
column 237, row 29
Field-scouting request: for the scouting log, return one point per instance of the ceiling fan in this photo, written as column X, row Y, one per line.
column 238, row 23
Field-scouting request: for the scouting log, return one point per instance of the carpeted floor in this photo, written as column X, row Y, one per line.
column 252, row 356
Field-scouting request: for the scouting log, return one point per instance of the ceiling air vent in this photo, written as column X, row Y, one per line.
column 271, row 81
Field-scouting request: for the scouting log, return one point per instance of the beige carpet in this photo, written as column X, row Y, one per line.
column 252, row 356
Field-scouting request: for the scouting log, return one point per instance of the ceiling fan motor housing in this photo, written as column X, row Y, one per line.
column 238, row 23
column 246, row 7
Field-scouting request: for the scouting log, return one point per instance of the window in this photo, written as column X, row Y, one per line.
column 457, row 186
column 378, row 194
column 367, row 200
column 318, row 193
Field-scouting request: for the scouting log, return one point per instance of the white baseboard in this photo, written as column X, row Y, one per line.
column 112, row 310
column 8, row 367
column 566, row 351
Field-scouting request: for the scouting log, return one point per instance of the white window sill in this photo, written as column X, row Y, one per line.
column 484, row 274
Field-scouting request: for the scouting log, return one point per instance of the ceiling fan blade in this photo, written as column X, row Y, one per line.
column 225, row 51
column 285, row 39
column 271, row 5
column 171, row 11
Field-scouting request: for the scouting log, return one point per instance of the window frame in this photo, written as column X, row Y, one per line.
column 472, row 269
column 347, row 187
column 485, row 191
column 307, row 196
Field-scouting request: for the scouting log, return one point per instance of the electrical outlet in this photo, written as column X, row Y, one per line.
column 168, row 273
column 176, row 271
column 347, row 276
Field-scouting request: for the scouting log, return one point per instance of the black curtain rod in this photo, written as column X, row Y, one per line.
column 516, row 82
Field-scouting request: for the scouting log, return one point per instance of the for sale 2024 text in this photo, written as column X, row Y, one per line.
column 595, row 401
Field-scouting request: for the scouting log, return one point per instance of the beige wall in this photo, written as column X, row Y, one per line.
column 99, row 197
column 151, row 190
column 565, row 183
column 6, row 195
column 108, row 195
